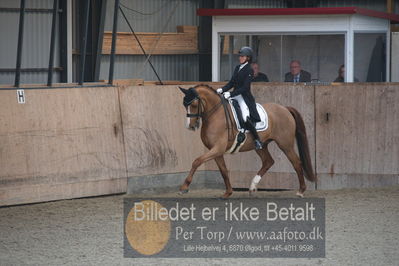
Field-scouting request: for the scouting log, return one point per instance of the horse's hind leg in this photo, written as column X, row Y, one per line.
column 296, row 163
column 267, row 162
column 211, row 154
column 225, row 174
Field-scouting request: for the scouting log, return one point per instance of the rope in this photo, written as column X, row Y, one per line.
column 143, row 13
column 142, row 48
column 159, row 36
column 154, row 46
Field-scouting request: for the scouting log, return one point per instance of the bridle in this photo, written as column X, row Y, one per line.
column 192, row 95
column 201, row 106
column 189, row 101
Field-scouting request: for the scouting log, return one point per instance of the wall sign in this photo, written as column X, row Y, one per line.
column 21, row 96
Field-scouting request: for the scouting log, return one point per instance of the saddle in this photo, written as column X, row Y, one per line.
column 237, row 114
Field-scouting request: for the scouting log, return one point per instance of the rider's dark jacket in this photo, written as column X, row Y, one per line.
column 241, row 81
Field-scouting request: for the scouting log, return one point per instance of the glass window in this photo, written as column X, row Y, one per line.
column 370, row 57
column 319, row 55
column 229, row 47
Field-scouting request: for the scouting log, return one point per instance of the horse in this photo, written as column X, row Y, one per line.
column 285, row 125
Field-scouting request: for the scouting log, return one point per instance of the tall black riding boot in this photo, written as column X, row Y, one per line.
column 251, row 127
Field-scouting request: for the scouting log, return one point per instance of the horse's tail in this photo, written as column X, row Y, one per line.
column 303, row 145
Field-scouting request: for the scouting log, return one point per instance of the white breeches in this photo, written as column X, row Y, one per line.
column 243, row 106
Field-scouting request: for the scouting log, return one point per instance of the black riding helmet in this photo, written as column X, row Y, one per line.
column 246, row 51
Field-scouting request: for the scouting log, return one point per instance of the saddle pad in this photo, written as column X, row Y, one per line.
column 260, row 126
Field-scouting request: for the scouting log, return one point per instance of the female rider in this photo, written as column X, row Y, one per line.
column 241, row 81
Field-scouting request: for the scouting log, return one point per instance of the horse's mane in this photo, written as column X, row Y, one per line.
column 206, row 86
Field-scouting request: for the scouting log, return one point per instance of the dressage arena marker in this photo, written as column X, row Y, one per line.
column 21, row 96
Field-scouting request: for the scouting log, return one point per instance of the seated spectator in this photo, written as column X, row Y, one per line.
column 296, row 73
column 341, row 75
column 258, row 76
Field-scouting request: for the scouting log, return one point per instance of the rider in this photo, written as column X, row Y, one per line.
column 241, row 81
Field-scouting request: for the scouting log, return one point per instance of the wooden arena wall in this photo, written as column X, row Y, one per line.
column 60, row 144
column 77, row 142
column 357, row 135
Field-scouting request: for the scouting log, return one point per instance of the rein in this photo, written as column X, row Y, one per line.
column 229, row 122
column 208, row 114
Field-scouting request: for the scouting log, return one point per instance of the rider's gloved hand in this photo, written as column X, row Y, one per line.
column 226, row 95
column 220, row 90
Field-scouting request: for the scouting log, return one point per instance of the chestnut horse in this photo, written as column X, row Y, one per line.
column 284, row 126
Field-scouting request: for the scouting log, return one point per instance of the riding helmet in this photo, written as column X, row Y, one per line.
column 245, row 51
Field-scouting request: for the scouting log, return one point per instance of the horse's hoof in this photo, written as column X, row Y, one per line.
column 252, row 192
column 299, row 194
column 182, row 192
column 226, row 195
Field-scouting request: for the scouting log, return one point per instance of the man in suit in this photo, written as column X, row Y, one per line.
column 296, row 73
column 241, row 82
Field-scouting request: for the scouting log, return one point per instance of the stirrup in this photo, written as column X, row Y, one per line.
column 258, row 144
column 240, row 137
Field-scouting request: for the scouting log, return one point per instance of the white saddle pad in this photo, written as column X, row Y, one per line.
column 260, row 126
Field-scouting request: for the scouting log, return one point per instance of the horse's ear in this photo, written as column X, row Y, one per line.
column 183, row 90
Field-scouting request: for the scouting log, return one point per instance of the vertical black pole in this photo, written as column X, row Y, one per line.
column 99, row 37
column 83, row 44
column 205, row 43
column 114, row 31
column 52, row 45
column 20, row 41
column 63, row 36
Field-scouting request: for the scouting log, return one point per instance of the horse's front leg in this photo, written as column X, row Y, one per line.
column 211, row 154
column 225, row 174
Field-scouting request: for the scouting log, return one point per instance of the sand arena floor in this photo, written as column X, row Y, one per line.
column 362, row 228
